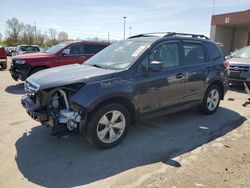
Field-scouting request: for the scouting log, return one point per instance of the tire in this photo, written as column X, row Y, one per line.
column 100, row 125
column 4, row 65
column 209, row 106
column 35, row 70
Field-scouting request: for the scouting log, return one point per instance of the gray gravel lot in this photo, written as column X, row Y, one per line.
column 184, row 149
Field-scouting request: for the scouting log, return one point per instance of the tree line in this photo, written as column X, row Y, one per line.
column 19, row 33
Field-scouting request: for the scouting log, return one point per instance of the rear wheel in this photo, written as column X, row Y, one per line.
column 108, row 125
column 211, row 100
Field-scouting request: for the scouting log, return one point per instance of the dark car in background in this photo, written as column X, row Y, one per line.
column 239, row 66
column 65, row 53
column 138, row 78
column 25, row 49
column 3, row 58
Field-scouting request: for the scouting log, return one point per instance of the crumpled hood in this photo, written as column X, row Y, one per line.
column 69, row 74
column 239, row 61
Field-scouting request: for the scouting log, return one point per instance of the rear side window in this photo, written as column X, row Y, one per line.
column 93, row 49
column 212, row 51
column 193, row 53
column 77, row 49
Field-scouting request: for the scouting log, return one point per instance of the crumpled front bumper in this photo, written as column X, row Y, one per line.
column 37, row 113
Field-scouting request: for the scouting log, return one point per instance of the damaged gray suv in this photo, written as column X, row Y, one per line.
column 143, row 76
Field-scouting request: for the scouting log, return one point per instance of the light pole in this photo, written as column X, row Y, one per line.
column 130, row 31
column 124, row 26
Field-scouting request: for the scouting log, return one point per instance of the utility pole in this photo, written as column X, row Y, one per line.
column 130, row 31
column 108, row 37
column 213, row 6
column 124, row 26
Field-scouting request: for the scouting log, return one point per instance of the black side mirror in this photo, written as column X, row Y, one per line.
column 156, row 66
column 65, row 52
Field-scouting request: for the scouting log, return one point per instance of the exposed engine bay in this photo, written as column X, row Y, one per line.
column 52, row 107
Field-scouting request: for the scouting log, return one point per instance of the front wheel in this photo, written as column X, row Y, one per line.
column 211, row 100
column 108, row 125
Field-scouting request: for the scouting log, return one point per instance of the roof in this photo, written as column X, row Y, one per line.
column 87, row 42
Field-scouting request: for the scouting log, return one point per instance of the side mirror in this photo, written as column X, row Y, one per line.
column 65, row 52
column 156, row 66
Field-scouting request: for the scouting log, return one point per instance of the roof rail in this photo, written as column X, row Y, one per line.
column 169, row 34
column 148, row 35
column 185, row 34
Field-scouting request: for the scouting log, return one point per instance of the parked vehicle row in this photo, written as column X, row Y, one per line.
column 66, row 53
column 239, row 66
column 137, row 78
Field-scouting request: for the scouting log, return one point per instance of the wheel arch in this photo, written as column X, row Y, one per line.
column 220, row 85
column 34, row 68
column 123, row 101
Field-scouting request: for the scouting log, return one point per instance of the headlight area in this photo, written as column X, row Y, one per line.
column 52, row 107
column 20, row 62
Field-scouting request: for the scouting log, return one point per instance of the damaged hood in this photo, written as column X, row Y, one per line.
column 69, row 74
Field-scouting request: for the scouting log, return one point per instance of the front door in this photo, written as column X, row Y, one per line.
column 75, row 54
column 158, row 90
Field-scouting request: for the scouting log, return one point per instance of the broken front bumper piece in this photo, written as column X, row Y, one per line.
column 37, row 113
column 46, row 116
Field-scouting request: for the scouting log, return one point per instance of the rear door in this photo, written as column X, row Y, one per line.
column 197, row 69
column 92, row 49
column 159, row 90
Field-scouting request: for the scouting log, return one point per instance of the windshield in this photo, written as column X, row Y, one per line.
column 56, row 48
column 29, row 49
column 243, row 52
column 118, row 55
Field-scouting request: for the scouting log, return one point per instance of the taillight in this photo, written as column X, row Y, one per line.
column 226, row 64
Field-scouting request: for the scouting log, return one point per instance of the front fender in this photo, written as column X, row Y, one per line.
column 95, row 93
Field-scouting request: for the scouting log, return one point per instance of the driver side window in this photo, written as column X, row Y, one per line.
column 167, row 53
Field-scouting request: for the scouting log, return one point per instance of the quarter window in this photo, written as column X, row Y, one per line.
column 168, row 54
column 193, row 53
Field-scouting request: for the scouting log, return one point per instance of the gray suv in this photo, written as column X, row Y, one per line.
column 143, row 76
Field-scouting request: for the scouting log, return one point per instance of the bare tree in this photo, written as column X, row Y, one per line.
column 52, row 36
column 1, row 36
column 29, row 34
column 63, row 36
column 13, row 30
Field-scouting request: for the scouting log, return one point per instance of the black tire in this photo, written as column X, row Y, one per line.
column 4, row 65
column 204, row 107
column 35, row 70
column 93, row 122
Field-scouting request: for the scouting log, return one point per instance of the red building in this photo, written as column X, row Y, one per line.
column 231, row 29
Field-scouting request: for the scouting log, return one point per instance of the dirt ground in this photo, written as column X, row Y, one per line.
column 184, row 149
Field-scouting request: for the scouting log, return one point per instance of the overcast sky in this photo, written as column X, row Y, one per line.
column 90, row 18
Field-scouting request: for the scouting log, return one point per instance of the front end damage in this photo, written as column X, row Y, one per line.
column 52, row 107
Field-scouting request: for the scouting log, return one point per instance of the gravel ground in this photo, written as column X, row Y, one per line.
column 185, row 149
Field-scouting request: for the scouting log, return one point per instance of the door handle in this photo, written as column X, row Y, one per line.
column 179, row 75
column 209, row 68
